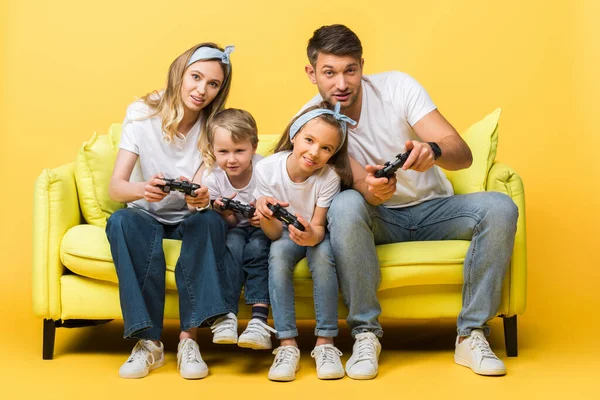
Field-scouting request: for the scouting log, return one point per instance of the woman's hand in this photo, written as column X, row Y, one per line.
column 201, row 199
column 152, row 193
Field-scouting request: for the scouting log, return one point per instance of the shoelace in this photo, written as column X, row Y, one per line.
column 141, row 351
column 326, row 354
column 189, row 353
column 285, row 355
column 259, row 327
column 483, row 347
column 222, row 324
column 366, row 348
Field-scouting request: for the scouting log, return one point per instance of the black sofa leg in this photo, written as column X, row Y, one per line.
column 510, row 336
column 49, row 333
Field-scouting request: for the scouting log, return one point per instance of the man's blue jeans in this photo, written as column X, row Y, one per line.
column 136, row 244
column 249, row 247
column 283, row 257
column 487, row 219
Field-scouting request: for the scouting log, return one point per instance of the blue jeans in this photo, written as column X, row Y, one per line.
column 487, row 219
column 249, row 247
column 283, row 257
column 136, row 244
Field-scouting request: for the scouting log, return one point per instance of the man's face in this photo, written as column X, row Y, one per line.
column 337, row 78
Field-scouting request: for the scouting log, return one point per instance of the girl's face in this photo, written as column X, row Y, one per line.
column 201, row 83
column 315, row 144
column 233, row 158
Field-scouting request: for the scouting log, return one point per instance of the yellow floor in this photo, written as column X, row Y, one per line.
column 416, row 363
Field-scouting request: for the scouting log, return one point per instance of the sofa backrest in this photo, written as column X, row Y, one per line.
column 96, row 159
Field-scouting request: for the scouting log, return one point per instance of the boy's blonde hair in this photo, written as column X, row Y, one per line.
column 340, row 161
column 169, row 104
column 239, row 123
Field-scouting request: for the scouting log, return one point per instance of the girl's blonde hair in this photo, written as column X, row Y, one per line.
column 340, row 160
column 239, row 123
column 169, row 104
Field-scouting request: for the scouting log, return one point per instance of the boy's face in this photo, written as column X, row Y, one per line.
column 233, row 158
column 337, row 78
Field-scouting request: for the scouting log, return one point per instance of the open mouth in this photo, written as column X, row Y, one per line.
column 309, row 162
column 342, row 96
column 197, row 100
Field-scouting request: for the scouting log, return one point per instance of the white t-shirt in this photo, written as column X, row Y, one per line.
column 219, row 185
column 272, row 179
column 144, row 137
column 392, row 102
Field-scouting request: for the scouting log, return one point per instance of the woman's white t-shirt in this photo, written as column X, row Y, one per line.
column 272, row 180
column 144, row 136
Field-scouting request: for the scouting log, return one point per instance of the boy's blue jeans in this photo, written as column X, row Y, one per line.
column 136, row 244
column 249, row 247
column 283, row 257
column 487, row 219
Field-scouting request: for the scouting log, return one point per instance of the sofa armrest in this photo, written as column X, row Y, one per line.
column 55, row 210
column 502, row 178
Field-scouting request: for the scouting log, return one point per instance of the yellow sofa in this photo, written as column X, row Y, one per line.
column 74, row 279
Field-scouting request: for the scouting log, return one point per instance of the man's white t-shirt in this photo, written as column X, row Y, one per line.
column 144, row 136
column 219, row 185
column 393, row 102
column 272, row 180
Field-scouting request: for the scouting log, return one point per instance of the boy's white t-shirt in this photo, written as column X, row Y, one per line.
column 393, row 102
column 219, row 185
column 144, row 137
column 272, row 179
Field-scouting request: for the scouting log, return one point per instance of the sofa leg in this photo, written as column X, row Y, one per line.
column 510, row 336
column 49, row 333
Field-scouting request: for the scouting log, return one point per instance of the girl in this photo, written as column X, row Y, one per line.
column 310, row 162
column 231, row 145
column 159, row 139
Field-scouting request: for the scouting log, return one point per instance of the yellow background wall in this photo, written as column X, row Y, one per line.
column 69, row 68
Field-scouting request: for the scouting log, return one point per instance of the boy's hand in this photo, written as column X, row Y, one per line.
column 255, row 220
column 219, row 203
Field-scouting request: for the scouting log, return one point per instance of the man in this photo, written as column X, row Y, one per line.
column 394, row 114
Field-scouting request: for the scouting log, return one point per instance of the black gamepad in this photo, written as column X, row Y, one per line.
column 246, row 210
column 284, row 216
column 390, row 168
column 186, row 187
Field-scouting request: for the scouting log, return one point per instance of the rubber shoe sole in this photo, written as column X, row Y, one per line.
column 286, row 378
column 254, row 345
column 465, row 363
column 142, row 374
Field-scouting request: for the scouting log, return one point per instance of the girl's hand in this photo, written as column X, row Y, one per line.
column 308, row 237
column 255, row 220
column 263, row 210
column 200, row 200
column 153, row 194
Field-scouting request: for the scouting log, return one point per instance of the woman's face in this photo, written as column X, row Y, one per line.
column 201, row 83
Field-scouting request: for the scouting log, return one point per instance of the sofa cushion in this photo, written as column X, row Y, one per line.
column 482, row 138
column 85, row 251
column 93, row 169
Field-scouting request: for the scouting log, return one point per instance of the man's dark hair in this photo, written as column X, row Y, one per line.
column 336, row 39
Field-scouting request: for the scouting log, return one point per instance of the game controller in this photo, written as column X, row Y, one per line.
column 390, row 168
column 284, row 216
column 246, row 210
column 186, row 187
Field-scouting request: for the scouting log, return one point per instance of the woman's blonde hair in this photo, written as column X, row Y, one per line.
column 169, row 104
column 239, row 123
column 340, row 160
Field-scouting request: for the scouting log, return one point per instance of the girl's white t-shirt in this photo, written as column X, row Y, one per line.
column 272, row 179
column 144, row 136
column 219, row 185
column 392, row 103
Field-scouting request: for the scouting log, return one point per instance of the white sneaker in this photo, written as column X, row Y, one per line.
column 285, row 365
column 329, row 365
column 144, row 357
column 474, row 352
column 365, row 357
column 224, row 329
column 189, row 361
column 257, row 335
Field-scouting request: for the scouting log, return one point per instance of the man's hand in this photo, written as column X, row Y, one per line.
column 421, row 157
column 382, row 188
column 200, row 200
column 153, row 194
